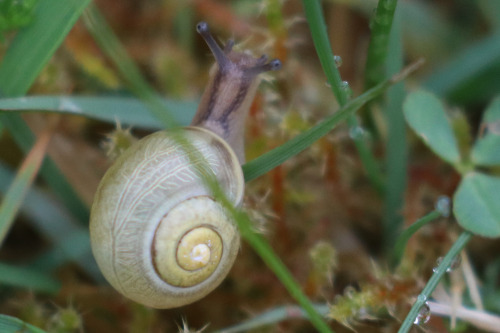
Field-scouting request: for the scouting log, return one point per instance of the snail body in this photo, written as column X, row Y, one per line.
column 157, row 233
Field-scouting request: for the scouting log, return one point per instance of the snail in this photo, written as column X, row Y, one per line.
column 157, row 233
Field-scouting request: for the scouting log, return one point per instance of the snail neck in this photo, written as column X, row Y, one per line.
column 227, row 99
column 224, row 107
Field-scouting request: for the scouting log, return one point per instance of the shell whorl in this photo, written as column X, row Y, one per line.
column 150, row 183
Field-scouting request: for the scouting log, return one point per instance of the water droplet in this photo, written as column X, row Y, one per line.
column 424, row 314
column 346, row 88
column 455, row 263
column 338, row 61
column 438, row 262
column 443, row 205
column 422, row 298
column 356, row 132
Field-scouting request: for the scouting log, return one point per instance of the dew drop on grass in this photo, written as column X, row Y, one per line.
column 356, row 132
column 443, row 205
column 455, row 263
column 424, row 314
column 338, row 61
column 346, row 88
column 438, row 262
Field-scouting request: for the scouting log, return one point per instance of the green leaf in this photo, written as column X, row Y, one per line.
column 425, row 114
column 486, row 150
column 10, row 324
column 476, row 204
column 128, row 111
column 28, row 279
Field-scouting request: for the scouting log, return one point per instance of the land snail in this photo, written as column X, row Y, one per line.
column 157, row 233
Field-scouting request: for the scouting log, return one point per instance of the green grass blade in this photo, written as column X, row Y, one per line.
column 476, row 59
column 22, row 182
column 314, row 15
column 10, row 324
column 275, row 157
column 273, row 316
column 319, row 34
column 405, row 236
column 375, row 71
column 27, row 54
column 34, row 45
column 459, row 244
column 49, row 171
column 13, row 199
column 70, row 240
column 396, row 146
column 264, row 250
column 127, row 110
column 109, row 43
column 28, row 279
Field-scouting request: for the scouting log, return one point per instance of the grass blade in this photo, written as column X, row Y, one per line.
column 273, row 316
column 396, row 146
column 459, row 244
column 24, row 178
column 476, row 59
column 28, row 279
column 275, row 157
column 27, row 54
column 10, row 324
column 405, row 236
column 70, row 240
column 109, row 43
column 341, row 91
column 127, row 110
column 379, row 42
column 33, row 46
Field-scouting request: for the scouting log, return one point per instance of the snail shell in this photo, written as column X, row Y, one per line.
column 158, row 235
column 188, row 234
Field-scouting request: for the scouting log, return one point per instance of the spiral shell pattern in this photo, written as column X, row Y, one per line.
column 157, row 234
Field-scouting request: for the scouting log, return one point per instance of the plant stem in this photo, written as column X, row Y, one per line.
column 319, row 34
column 459, row 244
column 396, row 147
column 110, row 44
column 278, row 155
column 262, row 247
column 402, row 240
column 273, row 316
column 379, row 41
